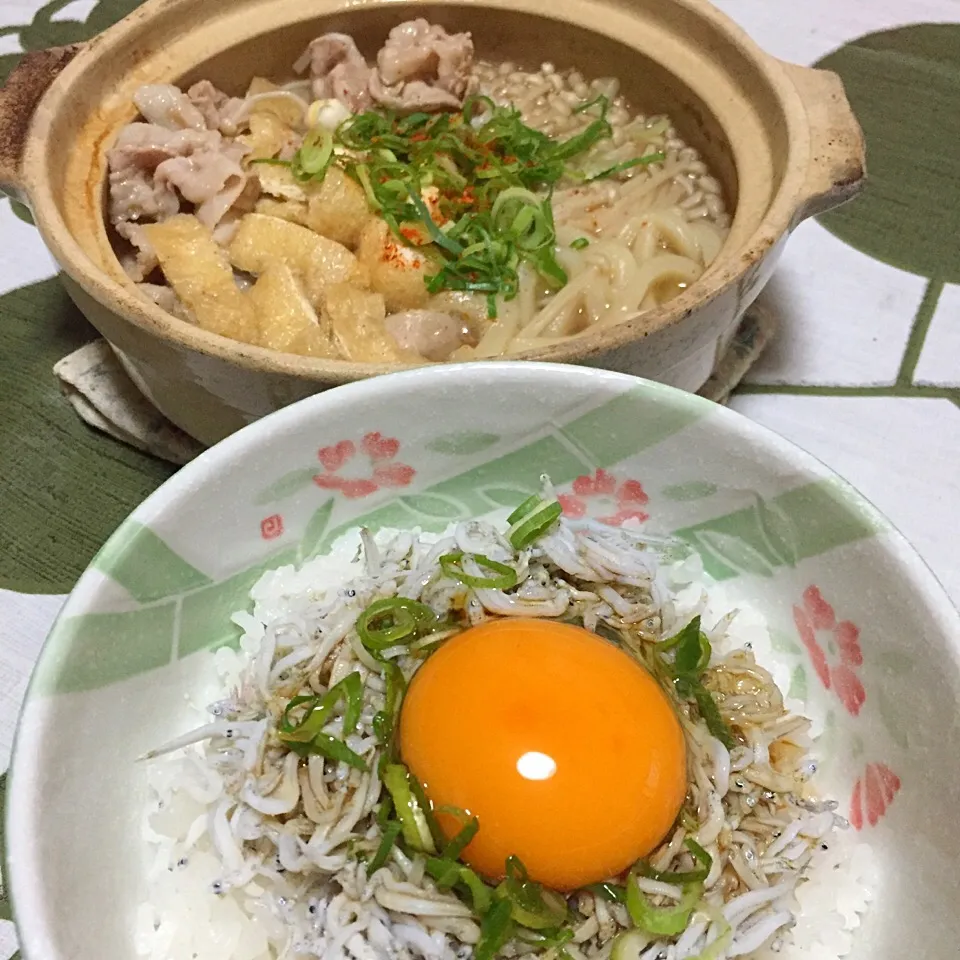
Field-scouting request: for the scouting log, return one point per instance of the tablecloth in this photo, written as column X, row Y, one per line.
column 865, row 373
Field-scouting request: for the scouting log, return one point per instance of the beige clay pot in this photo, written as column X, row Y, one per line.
column 781, row 138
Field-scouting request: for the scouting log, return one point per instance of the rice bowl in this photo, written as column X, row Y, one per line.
column 848, row 622
column 232, row 879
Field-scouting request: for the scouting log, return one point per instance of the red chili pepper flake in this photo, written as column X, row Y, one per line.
column 395, row 255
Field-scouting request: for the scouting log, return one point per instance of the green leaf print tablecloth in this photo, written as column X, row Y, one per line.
column 865, row 372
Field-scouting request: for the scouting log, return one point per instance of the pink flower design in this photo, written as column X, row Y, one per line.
column 872, row 795
column 601, row 489
column 377, row 472
column 271, row 527
column 837, row 657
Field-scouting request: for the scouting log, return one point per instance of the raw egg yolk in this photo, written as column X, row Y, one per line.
column 563, row 746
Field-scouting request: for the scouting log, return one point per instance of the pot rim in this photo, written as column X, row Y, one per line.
column 786, row 208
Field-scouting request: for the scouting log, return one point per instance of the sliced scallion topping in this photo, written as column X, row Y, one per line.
column 630, row 945
column 317, row 710
column 333, row 748
column 384, row 720
column 311, row 160
column 611, row 892
column 691, row 658
column 388, row 838
column 547, row 939
column 684, row 876
column 448, row 874
column 464, row 835
column 413, row 817
column 480, row 893
column 445, row 872
column 452, row 566
column 662, row 921
column 495, row 930
column 527, row 506
column 581, row 243
column 476, row 184
column 628, row 165
column 533, row 523
column 531, row 905
column 393, row 620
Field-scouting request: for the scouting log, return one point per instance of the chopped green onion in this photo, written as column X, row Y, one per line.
column 629, row 944
column 352, row 686
column 602, row 101
column 310, row 162
column 495, row 929
column 611, row 892
column 546, row 939
column 710, row 713
column 333, row 748
column 393, row 620
column 439, row 237
column 362, row 174
column 480, row 893
column 533, row 523
column 528, row 506
column 413, row 817
column 384, row 811
column 467, row 832
column 581, row 243
column 691, row 658
column 447, row 873
column 693, row 650
column 452, row 566
column 662, row 921
column 444, row 871
column 439, row 840
column 384, row 720
column 627, row 165
column 389, row 837
column 471, row 102
column 582, row 142
column 317, row 711
column 684, row 876
column 531, row 905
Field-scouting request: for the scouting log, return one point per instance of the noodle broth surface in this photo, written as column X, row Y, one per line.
column 430, row 207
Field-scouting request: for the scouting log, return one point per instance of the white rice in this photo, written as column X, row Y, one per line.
column 187, row 915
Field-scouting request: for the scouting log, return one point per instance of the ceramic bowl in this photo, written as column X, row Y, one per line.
column 781, row 138
column 776, row 527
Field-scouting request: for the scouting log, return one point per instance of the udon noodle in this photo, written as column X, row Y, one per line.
column 431, row 207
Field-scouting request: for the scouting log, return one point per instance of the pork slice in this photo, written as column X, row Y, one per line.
column 422, row 67
column 139, row 149
column 167, row 106
column 412, row 97
column 232, row 201
column 142, row 260
column 211, row 180
column 220, row 112
column 338, row 70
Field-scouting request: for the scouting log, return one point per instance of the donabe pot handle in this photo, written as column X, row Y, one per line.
column 837, row 164
column 19, row 98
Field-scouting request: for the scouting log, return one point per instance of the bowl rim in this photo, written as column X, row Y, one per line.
column 35, row 941
column 107, row 289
